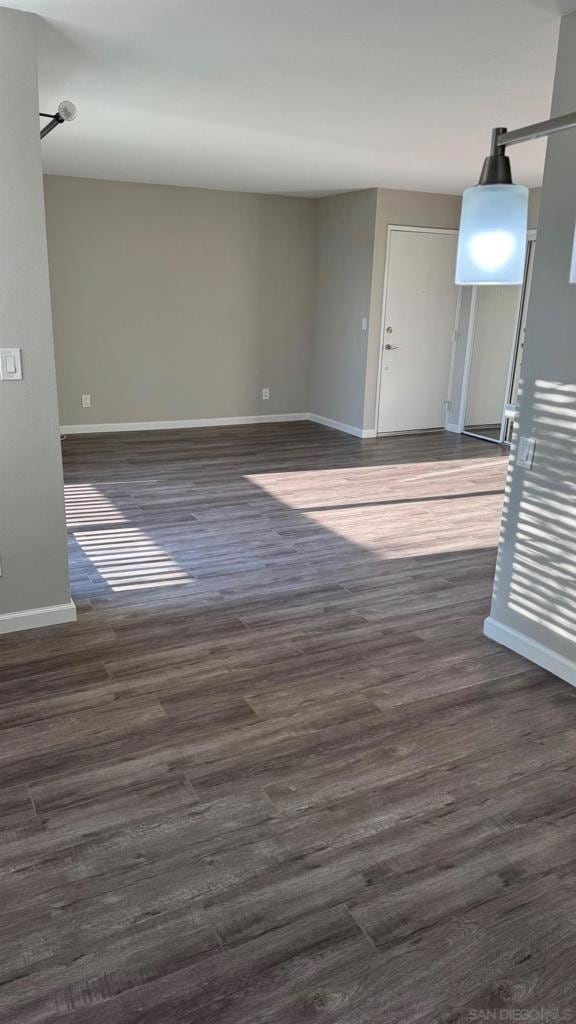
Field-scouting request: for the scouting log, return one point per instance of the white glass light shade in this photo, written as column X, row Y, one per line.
column 492, row 239
column 67, row 110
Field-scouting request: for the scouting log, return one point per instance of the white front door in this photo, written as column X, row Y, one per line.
column 419, row 321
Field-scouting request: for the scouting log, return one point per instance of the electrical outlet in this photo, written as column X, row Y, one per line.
column 526, row 448
column 364, row 323
column 265, row 394
column 86, row 401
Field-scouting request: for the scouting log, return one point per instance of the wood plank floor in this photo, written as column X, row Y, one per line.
column 275, row 773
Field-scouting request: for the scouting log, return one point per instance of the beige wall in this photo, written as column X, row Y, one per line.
column 494, row 331
column 32, row 526
column 181, row 304
column 175, row 303
column 534, row 601
column 345, row 249
column 534, row 202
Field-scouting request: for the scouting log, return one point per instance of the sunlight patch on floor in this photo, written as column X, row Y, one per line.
column 127, row 559
column 86, row 506
column 428, row 492
column 124, row 556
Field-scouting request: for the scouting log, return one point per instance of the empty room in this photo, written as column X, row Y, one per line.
column 287, row 511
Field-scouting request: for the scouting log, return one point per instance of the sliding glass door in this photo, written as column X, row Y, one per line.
column 495, row 356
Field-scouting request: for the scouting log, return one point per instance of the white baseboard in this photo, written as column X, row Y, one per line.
column 213, row 421
column 35, row 618
column 531, row 649
column 347, row 428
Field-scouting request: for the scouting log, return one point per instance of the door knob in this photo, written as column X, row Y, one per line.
column 390, row 347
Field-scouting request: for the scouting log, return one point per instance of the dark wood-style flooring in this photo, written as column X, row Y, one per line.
column 275, row 773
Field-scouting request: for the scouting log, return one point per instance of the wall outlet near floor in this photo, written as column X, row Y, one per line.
column 364, row 323
column 265, row 394
column 526, row 448
column 86, row 401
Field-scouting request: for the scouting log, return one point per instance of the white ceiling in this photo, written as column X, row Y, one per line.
column 294, row 96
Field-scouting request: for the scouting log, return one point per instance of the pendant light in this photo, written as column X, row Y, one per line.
column 493, row 224
column 66, row 112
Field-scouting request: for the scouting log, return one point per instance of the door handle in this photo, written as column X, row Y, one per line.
column 390, row 347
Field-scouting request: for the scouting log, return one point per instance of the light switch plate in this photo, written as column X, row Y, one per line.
column 526, row 448
column 10, row 364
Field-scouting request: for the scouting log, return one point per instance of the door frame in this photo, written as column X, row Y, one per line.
column 531, row 237
column 417, row 230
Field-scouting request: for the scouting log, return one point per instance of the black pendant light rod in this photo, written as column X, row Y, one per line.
column 66, row 112
column 55, row 120
column 496, row 168
column 534, row 131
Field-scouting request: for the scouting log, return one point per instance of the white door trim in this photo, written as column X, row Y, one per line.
column 448, row 424
column 417, row 230
column 467, row 359
column 521, row 314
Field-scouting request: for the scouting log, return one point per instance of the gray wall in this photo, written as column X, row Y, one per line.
column 175, row 303
column 32, row 530
column 345, row 250
column 535, row 586
column 494, row 329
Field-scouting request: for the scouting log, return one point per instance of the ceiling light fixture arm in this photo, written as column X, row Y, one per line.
column 496, row 168
column 66, row 112
column 535, row 131
column 55, row 120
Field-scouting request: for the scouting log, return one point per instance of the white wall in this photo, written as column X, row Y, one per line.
column 534, row 600
column 178, row 303
column 32, row 526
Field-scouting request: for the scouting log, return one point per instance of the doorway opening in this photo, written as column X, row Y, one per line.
column 494, row 356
